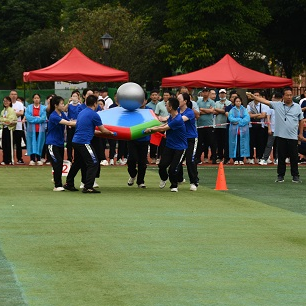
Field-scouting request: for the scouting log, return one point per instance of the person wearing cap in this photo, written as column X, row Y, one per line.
column 107, row 100
column 220, row 122
column 205, row 128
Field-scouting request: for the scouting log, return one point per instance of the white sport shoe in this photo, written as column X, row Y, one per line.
column 269, row 161
column 157, row 161
column 205, row 160
column 131, row 181
column 81, row 185
column 43, row 160
column 236, row 162
column 241, row 162
column 32, row 163
column 193, row 187
column 39, row 163
column 104, row 162
column 275, row 161
column 111, row 162
column 174, row 189
column 263, row 162
column 143, row 186
column 252, row 162
column 95, row 185
column 58, row 189
column 162, row 184
column 287, row 160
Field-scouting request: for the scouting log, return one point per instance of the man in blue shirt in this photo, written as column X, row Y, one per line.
column 85, row 155
column 176, row 144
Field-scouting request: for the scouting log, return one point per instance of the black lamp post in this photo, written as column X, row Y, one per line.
column 106, row 43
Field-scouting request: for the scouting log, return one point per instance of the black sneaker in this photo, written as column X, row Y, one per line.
column 70, row 188
column 296, row 179
column 90, row 190
column 20, row 162
column 280, row 179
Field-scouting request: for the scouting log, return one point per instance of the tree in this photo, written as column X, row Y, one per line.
column 18, row 20
column 133, row 50
column 285, row 35
column 201, row 32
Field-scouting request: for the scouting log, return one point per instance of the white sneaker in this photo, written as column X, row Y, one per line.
column 241, row 162
column 269, row 161
column 119, row 161
column 174, row 190
column 153, row 160
column 193, row 187
column 43, row 160
column 32, row 163
column 131, row 181
column 263, row 162
column 111, row 162
column 157, row 161
column 287, row 160
column 205, row 160
column 82, row 185
column 124, row 162
column 252, row 162
column 275, row 161
column 95, row 185
column 58, row 189
column 162, row 184
column 143, row 186
column 39, row 163
column 104, row 162
column 236, row 162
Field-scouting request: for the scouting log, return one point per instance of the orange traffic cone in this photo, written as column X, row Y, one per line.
column 221, row 181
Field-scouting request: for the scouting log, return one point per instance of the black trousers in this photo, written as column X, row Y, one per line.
column 191, row 163
column 56, row 157
column 97, row 144
column 137, row 155
column 258, row 139
column 285, row 148
column 123, row 149
column 85, row 159
column 153, row 150
column 18, row 134
column 220, row 135
column 7, row 146
column 70, row 133
column 206, row 139
column 171, row 158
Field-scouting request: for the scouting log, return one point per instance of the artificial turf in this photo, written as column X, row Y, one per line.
column 130, row 246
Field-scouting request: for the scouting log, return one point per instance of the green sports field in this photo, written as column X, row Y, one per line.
column 135, row 247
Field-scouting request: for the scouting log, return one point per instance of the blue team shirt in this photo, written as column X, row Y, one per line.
column 55, row 134
column 73, row 111
column 191, row 130
column 176, row 137
column 85, row 127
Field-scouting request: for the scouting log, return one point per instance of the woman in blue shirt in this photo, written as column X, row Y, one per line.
column 55, row 138
column 188, row 116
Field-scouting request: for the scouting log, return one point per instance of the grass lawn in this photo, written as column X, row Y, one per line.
column 129, row 246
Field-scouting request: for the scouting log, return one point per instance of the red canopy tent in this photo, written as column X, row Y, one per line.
column 75, row 66
column 226, row 73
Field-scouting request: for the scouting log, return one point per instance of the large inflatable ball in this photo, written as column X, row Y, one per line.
column 130, row 96
column 127, row 125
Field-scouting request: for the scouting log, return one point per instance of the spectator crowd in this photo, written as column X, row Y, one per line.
column 219, row 126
